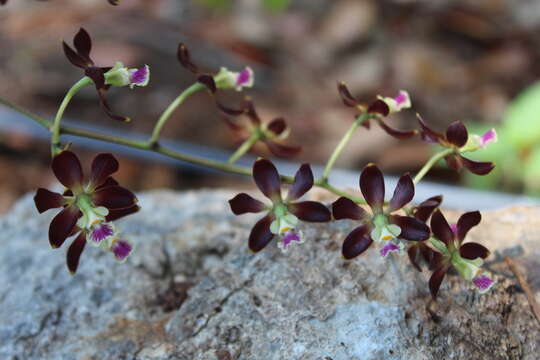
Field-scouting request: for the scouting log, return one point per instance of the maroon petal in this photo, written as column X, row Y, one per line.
column 243, row 203
column 436, row 279
column 107, row 108
column 473, row 250
column 277, row 126
column 441, row 229
column 251, row 112
column 311, row 211
column 103, row 166
column 457, row 134
column 233, row 125
column 427, row 134
column 454, row 162
column 477, row 167
column 208, row 81
column 114, row 197
column 403, row 193
column 62, row 225
column 398, row 134
column 109, row 182
column 83, row 44
column 116, row 214
column 423, row 211
column 67, row 169
column 356, row 242
column 372, row 186
column 414, row 257
column 303, row 181
column 379, row 107
column 74, row 252
column 280, row 150
column 344, row 208
column 230, row 111
column 185, row 59
column 411, row 228
column 346, row 96
column 261, row 235
column 466, row 222
column 45, row 200
column 267, row 179
column 73, row 57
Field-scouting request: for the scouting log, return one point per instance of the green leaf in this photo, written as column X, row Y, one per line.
column 276, row 6
column 522, row 119
column 532, row 173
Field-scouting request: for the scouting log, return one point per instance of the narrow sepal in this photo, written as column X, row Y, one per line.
column 457, row 134
column 45, row 200
column 250, row 111
column 411, row 229
column 74, row 252
column 398, row 134
column 267, row 178
column 466, row 222
column 74, row 58
column 260, row 235
column 62, row 225
column 427, row 134
column 346, row 97
column 424, row 210
column 440, row 227
column 230, row 111
column 414, row 257
column 477, row 167
column 280, row 150
column 103, row 166
column 115, row 214
column 344, row 208
column 97, row 76
column 114, row 197
column 403, row 193
column 356, row 242
column 303, row 182
column 436, row 279
column 372, row 186
column 244, row 203
column 472, row 250
column 311, row 211
column 68, row 170
column 107, row 108
column 185, row 59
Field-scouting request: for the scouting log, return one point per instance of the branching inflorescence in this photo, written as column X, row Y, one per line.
column 89, row 208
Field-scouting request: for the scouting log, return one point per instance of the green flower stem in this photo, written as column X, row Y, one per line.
column 55, row 129
column 429, row 164
column 245, row 147
column 170, row 109
column 344, row 141
column 144, row 145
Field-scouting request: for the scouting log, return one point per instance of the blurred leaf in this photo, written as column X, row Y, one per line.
column 521, row 123
column 276, row 5
column 532, row 173
column 216, row 4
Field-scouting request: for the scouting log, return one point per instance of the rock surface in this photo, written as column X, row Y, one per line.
column 193, row 291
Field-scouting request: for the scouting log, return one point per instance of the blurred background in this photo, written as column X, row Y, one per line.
column 470, row 60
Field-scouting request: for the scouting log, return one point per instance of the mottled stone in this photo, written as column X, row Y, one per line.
column 192, row 290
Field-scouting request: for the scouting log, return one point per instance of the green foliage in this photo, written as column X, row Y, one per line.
column 521, row 123
column 276, row 5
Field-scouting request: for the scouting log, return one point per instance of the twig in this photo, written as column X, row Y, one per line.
column 525, row 286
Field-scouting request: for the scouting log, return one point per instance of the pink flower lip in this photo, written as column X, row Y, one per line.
column 101, row 232
column 140, row 76
column 122, row 249
column 489, row 137
column 388, row 248
column 291, row 237
column 401, row 97
column 482, row 283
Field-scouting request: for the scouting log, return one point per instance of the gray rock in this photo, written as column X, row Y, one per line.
column 193, row 291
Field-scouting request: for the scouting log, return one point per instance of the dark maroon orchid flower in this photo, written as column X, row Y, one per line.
column 103, row 77
column 382, row 107
column 420, row 250
column 266, row 132
column 225, row 79
column 283, row 214
column 381, row 225
column 457, row 138
column 88, row 208
column 466, row 258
